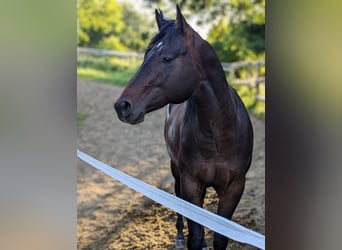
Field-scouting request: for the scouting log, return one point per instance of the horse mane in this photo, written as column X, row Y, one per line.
column 168, row 31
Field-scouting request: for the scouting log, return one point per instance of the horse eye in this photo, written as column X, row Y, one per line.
column 167, row 59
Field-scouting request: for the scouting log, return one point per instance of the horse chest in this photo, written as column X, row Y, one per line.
column 172, row 132
column 171, row 141
column 185, row 140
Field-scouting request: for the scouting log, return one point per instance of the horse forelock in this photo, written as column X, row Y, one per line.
column 166, row 31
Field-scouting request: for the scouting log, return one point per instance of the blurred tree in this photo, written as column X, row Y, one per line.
column 98, row 20
column 109, row 25
column 241, row 34
column 237, row 26
column 137, row 32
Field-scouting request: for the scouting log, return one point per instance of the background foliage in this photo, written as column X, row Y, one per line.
column 240, row 35
column 236, row 27
column 107, row 24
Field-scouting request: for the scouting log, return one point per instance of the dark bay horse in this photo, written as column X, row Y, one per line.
column 208, row 133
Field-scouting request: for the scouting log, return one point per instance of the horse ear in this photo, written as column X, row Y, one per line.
column 159, row 18
column 181, row 23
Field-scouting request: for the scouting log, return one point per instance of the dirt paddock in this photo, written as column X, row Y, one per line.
column 112, row 216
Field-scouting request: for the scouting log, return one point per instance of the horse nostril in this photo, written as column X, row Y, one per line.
column 123, row 108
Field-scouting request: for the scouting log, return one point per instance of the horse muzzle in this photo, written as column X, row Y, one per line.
column 126, row 113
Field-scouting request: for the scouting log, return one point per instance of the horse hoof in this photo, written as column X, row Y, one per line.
column 180, row 243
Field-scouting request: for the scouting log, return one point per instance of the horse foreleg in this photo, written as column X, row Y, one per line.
column 180, row 241
column 192, row 191
column 228, row 201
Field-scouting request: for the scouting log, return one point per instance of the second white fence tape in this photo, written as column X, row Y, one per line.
column 204, row 217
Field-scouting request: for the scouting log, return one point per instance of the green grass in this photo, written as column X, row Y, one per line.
column 115, row 71
column 81, row 117
column 119, row 78
column 118, row 71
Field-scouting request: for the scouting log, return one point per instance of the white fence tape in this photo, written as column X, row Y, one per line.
column 204, row 217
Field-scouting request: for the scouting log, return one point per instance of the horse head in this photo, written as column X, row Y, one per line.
column 169, row 73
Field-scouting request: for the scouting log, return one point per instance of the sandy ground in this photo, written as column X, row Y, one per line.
column 112, row 216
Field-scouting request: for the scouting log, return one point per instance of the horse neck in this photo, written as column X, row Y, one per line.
column 213, row 99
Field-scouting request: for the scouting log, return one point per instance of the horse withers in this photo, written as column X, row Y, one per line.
column 208, row 132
